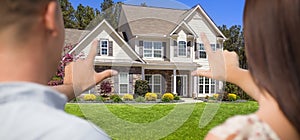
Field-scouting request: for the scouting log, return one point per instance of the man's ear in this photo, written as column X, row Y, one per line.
column 50, row 18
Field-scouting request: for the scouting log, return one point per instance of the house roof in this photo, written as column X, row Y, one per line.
column 91, row 36
column 73, row 36
column 147, row 21
column 151, row 20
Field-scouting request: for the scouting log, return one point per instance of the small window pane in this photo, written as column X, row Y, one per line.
column 156, row 79
column 200, row 80
column 182, row 48
column 156, row 89
column 157, row 45
column 213, row 47
column 206, row 88
column 123, row 88
column 157, row 54
column 201, row 89
column 212, row 88
column 206, row 80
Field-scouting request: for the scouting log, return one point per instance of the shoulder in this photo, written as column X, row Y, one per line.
column 242, row 127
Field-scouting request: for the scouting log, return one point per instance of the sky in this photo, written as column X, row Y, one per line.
column 222, row 12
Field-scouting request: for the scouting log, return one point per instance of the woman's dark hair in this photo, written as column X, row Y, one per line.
column 272, row 35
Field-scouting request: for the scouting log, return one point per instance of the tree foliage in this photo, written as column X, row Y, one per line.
column 235, row 43
column 68, row 13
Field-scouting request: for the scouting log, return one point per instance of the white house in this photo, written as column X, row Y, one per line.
column 160, row 45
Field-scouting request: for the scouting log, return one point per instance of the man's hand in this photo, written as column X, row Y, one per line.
column 81, row 76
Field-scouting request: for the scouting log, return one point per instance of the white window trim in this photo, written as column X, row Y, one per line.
column 209, row 84
column 106, row 47
column 152, row 82
column 123, row 83
column 179, row 49
column 153, row 49
column 199, row 50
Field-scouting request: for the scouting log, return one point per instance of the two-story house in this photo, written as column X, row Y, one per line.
column 160, row 45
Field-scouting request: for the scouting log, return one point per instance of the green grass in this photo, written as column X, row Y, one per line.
column 159, row 121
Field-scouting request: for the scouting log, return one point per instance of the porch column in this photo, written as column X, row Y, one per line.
column 174, row 81
column 143, row 73
column 195, row 92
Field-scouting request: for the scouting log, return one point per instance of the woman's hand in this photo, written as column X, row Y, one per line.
column 224, row 66
column 81, row 76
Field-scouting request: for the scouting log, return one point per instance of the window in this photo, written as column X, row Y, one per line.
column 202, row 52
column 206, row 85
column 182, row 48
column 124, row 83
column 154, row 83
column 104, row 47
column 213, row 47
column 152, row 49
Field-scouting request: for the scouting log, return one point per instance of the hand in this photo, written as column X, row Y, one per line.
column 224, row 65
column 81, row 76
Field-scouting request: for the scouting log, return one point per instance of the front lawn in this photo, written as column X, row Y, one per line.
column 159, row 121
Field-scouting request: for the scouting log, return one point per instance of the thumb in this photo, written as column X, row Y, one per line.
column 205, row 73
column 103, row 75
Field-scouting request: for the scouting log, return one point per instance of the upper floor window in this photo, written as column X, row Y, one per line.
column 182, row 48
column 202, row 52
column 152, row 49
column 104, row 47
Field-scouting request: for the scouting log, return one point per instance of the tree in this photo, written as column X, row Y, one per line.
column 106, row 4
column 144, row 4
column 235, row 43
column 68, row 13
column 84, row 15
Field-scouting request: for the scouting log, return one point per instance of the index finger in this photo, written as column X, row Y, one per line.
column 206, row 44
column 93, row 51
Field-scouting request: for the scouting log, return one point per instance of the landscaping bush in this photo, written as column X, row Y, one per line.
column 89, row 97
column 128, row 97
column 177, row 98
column 112, row 97
column 140, row 99
column 141, row 87
column 159, row 95
column 99, row 98
column 151, row 96
column 105, row 89
column 169, row 96
column 165, row 100
column 232, row 97
column 117, row 100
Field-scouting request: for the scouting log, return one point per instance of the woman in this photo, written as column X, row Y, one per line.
column 272, row 34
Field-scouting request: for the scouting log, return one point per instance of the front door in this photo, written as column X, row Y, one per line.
column 181, row 85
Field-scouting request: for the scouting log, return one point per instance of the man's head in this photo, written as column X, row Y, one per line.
column 33, row 29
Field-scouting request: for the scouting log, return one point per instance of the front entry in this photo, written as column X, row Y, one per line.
column 181, row 85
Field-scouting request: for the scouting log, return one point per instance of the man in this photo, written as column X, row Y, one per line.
column 31, row 41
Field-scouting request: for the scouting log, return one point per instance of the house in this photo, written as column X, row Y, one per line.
column 160, row 45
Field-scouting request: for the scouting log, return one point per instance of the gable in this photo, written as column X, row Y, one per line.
column 121, row 50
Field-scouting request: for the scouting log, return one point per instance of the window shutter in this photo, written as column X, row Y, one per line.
column 164, row 44
column 189, row 51
column 116, row 84
column 110, row 48
column 130, row 83
column 189, row 44
column 141, row 48
column 99, row 48
column 175, row 48
column 197, row 51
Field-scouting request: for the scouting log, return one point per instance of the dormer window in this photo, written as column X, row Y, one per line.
column 104, row 47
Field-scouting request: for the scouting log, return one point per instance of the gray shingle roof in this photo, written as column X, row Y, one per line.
column 152, row 20
column 73, row 36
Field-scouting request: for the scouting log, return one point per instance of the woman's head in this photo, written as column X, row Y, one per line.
column 272, row 35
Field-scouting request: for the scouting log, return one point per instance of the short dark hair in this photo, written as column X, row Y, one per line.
column 21, row 13
column 272, row 31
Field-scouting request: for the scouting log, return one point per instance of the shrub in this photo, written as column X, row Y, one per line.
column 169, row 96
column 117, row 100
column 165, row 100
column 216, row 96
column 89, row 97
column 159, row 95
column 128, row 97
column 105, row 89
column 140, row 99
column 112, row 97
column 141, row 87
column 151, row 97
column 99, row 98
column 206, row 97
column 177, row 98
column 231, row 97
